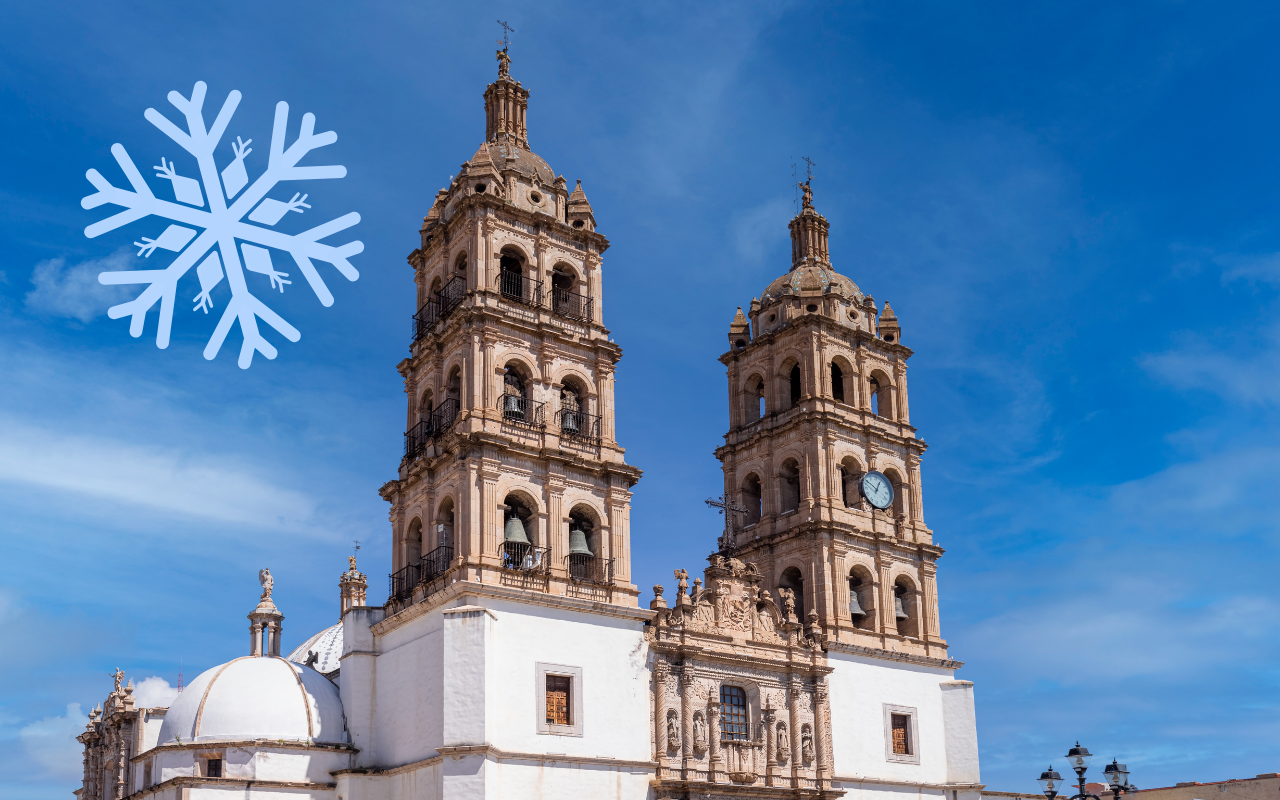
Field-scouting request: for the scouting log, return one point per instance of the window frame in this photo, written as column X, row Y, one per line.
column 913, row 733
column 574, row 674
column 744, row 722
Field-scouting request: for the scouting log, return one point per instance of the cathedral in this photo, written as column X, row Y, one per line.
column 513, row 656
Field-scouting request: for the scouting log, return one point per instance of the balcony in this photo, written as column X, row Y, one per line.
column 439, row 306
column 589, row 569
column 419, row 436
column 521, row 411
column 522, row 557
column 434, row 564
column 520, row 288
column 579, row 426
column 565, row 303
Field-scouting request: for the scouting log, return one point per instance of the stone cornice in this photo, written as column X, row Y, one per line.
column 892, row 655
column 852, row 337
column 962, row 787
column 239, row 783
column 489, row 751
column 255, row 744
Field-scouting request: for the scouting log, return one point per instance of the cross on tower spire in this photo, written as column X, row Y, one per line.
column 727, row 507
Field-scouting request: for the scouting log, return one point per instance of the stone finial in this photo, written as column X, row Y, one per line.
column 888, row 326
column 506, row 105
column 352, row 586
column 809, row 235
column 658, row 601
column 264, row 578
column 266, row 618
column 578, row 210
column 738, row 330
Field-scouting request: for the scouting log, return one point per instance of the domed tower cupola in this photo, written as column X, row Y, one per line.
column 506, row 104
column 809, row 235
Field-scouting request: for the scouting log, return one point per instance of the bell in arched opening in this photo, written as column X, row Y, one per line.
column 514, row 531
column 855, row 607
column 899, row 608
column 578, row 542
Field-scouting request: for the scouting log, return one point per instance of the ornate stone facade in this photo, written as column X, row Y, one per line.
column 111, row 740
column 510, row 385
column 818, row 398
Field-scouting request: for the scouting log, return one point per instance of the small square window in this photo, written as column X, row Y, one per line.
column 213, row 768
column 558, row 696
column 901, row 735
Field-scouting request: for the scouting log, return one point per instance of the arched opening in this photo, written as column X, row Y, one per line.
column 515, row 394
column 850, row 474
column 573, row 417
column 792, row 579
column 753, row 399
column 460, row 264
column 906, row 609
column 511, row 278
column 881, row 395
column 862, row 597
column 837, row 383
column 518, row 551
column 413, row 543
column 446, row 411
column 899, row 496
column 789, row 485
column 796, row 384
column 584, row 559
column 751, row 498
column 568, row 299
column 444, row 523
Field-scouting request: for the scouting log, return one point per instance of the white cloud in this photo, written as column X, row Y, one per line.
column 758, row 231
column 1251, row 268
column 1243, row 373
column 162, row 479
column 154, row 692
column 74, row 291
column 51, row 743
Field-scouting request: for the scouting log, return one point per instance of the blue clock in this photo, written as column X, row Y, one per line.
column 877, row 489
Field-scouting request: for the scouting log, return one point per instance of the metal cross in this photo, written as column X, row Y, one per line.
column 808, row 168
column 357, row 550
column 727, row 507
column 506, row 29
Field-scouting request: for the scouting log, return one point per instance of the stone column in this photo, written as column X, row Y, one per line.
column 660, row 672
column 713, row 738
column 770, row 747
column 255, row 639
column 900, row 381
column 793, row 729
column 490, row 517
column 821, row 732
column 929, row 602
column 686, row 718
column 917, row 491
column 888, row 625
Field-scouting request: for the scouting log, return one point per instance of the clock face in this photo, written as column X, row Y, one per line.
column 877, row 489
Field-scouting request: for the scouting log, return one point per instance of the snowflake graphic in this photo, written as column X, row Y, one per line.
column 222, row 225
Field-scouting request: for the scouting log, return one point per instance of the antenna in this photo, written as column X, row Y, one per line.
column 179, row 676
column 505, row 41
column 795, row 185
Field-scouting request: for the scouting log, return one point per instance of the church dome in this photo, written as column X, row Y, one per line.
column 813, row 279
column 327, row 645
column 256, row 697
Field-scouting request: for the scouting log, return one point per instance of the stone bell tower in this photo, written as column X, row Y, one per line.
column 822, row 456
column 511, row 474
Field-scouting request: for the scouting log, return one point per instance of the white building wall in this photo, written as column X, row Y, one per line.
column 860, row 688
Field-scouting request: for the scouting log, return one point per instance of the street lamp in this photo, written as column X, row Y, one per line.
column 1078, row 757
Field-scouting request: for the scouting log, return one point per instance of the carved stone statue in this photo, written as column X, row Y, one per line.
column 808, row 195
column 119, row 676
column 673, row 732
column 788, row 604
column 682, row 582
column 504, row 63
column 699, row 733
column 806, row 743
column 784, row 744
column 264, row 578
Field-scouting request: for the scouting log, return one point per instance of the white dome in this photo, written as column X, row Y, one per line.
column 256, row 697
column 327, row 644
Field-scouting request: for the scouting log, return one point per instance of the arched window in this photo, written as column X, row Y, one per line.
column 793, row 580
column 796, row 387
column 753, row 399
column 734, row 724
column 425, row 407
column 460, row 265
column 518, row 551
column 850, row 474
column 511, row 275
column 862, row 598
column 875, row 396
column 789, row 485
column 567, row 299
column 573, row 410
column 906, row 610
column 899, row 495
column 444, row 523
column 413, row 543
column 751, row 498
column 584, row 546
column 837, row 383
column 881, row 396
column 515, row 397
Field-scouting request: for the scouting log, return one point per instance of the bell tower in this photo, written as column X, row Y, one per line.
column 822, row 455
column 511, row 474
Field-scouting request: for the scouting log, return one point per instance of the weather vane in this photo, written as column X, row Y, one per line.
column 808, row 169
column 505, row 41
column 357, row 549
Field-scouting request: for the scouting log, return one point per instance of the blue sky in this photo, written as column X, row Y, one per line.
column 1070, row 207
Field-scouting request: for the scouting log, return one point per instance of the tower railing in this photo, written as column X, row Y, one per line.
column 589, row 569
column 435, row 425
column 439, row 306
column 578, row 425
column 525, row 557
column 568, row 304
column 519, row 410
column 434, row 564
column 520, row 288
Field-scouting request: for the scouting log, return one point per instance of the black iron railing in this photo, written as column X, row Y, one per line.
column 520, row 410
column 567, row 304
column 589, row 569
column 420, row 435
column 438, row 306
column 525, row 557
column 434, row 564
column 521, row 288
column 578, row 425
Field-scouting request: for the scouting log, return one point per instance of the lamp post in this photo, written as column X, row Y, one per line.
column 1078, row 757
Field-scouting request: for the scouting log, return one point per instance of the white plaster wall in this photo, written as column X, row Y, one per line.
column 407, row 692
column 268, row 763
column 534, row 780
column 418, row 784
column 254, row 793
column 615, row 681
column 859, row 689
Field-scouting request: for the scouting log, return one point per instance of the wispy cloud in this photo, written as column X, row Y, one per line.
column 51, row 743
column 757, row 231
column 154, row 692
column 73, row 291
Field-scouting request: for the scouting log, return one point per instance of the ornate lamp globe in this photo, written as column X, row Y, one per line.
column 1117, row 775
column 1049, row 781
column 1079, row 757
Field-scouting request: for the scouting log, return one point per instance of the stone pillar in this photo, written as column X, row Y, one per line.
column 686, row 718
column 255, row 639
column 660, row 672
column 821, row 732
column 713, row 738
column 888, row 624
column 490, row 516
column 900, row 381
column 770, row 746
column 793, row 727
column 931, row 629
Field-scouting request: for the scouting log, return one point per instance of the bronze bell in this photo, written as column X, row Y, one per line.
column 578, row 543
column 514, row 531
column 899, row 611
column 855, row 608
